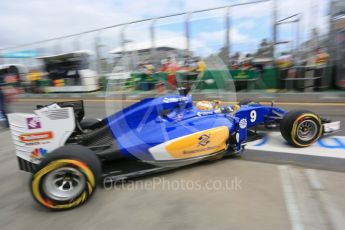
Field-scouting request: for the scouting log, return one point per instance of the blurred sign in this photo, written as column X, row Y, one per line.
column 20, row 54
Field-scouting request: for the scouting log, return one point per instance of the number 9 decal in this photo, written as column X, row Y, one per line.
column 252, row 115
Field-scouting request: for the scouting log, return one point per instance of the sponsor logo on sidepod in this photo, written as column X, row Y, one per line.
column 204, row 140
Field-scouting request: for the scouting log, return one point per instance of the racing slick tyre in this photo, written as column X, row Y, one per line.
column 66, row 178
column 301, row 128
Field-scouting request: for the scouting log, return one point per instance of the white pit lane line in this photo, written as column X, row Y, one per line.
column 290, row 198
column 331, row 210
column 300, row 200
column 332, row 146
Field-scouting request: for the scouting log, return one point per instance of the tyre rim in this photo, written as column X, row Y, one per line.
column 64, row 183
column 307, row 130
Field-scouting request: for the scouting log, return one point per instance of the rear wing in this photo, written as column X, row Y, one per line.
column 78, row 107
column 35, row 135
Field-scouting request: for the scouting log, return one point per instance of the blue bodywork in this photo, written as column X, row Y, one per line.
column 153, row 121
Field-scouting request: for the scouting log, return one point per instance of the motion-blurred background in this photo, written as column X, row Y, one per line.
column 270, row 46
column 111, row 53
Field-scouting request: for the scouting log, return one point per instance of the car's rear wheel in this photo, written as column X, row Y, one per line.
column 66, row 178
column 301, row 128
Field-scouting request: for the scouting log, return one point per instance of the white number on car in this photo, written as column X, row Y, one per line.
column 252, row 115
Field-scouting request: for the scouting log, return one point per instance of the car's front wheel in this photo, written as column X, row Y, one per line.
column 301, row 128
column 66, row 178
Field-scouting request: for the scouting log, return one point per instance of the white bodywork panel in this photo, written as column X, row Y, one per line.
column 331, row 127
column 160, row 153
column 35, row 135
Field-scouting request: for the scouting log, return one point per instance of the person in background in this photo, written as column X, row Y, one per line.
column 3, row 99
column 147, row 81
column 170, row 67
column 200, row 65
column 189, row 63
column 147, row 68
column 318, row 61
column 194, row 67
column 284, row 63
column 33, row 79
column 188, row 69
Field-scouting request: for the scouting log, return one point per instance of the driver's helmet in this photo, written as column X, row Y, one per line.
column 204, row 105
column 235, row 108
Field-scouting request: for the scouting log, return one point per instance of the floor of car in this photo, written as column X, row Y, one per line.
column 125, row 166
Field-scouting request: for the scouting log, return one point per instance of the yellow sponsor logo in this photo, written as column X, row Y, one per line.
column 198, row 144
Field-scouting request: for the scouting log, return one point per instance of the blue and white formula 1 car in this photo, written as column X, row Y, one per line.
column 69, row 155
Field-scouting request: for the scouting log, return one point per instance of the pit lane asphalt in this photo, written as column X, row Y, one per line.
column 268, row 196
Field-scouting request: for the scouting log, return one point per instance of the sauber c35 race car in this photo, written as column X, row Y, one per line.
column 69, row 155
